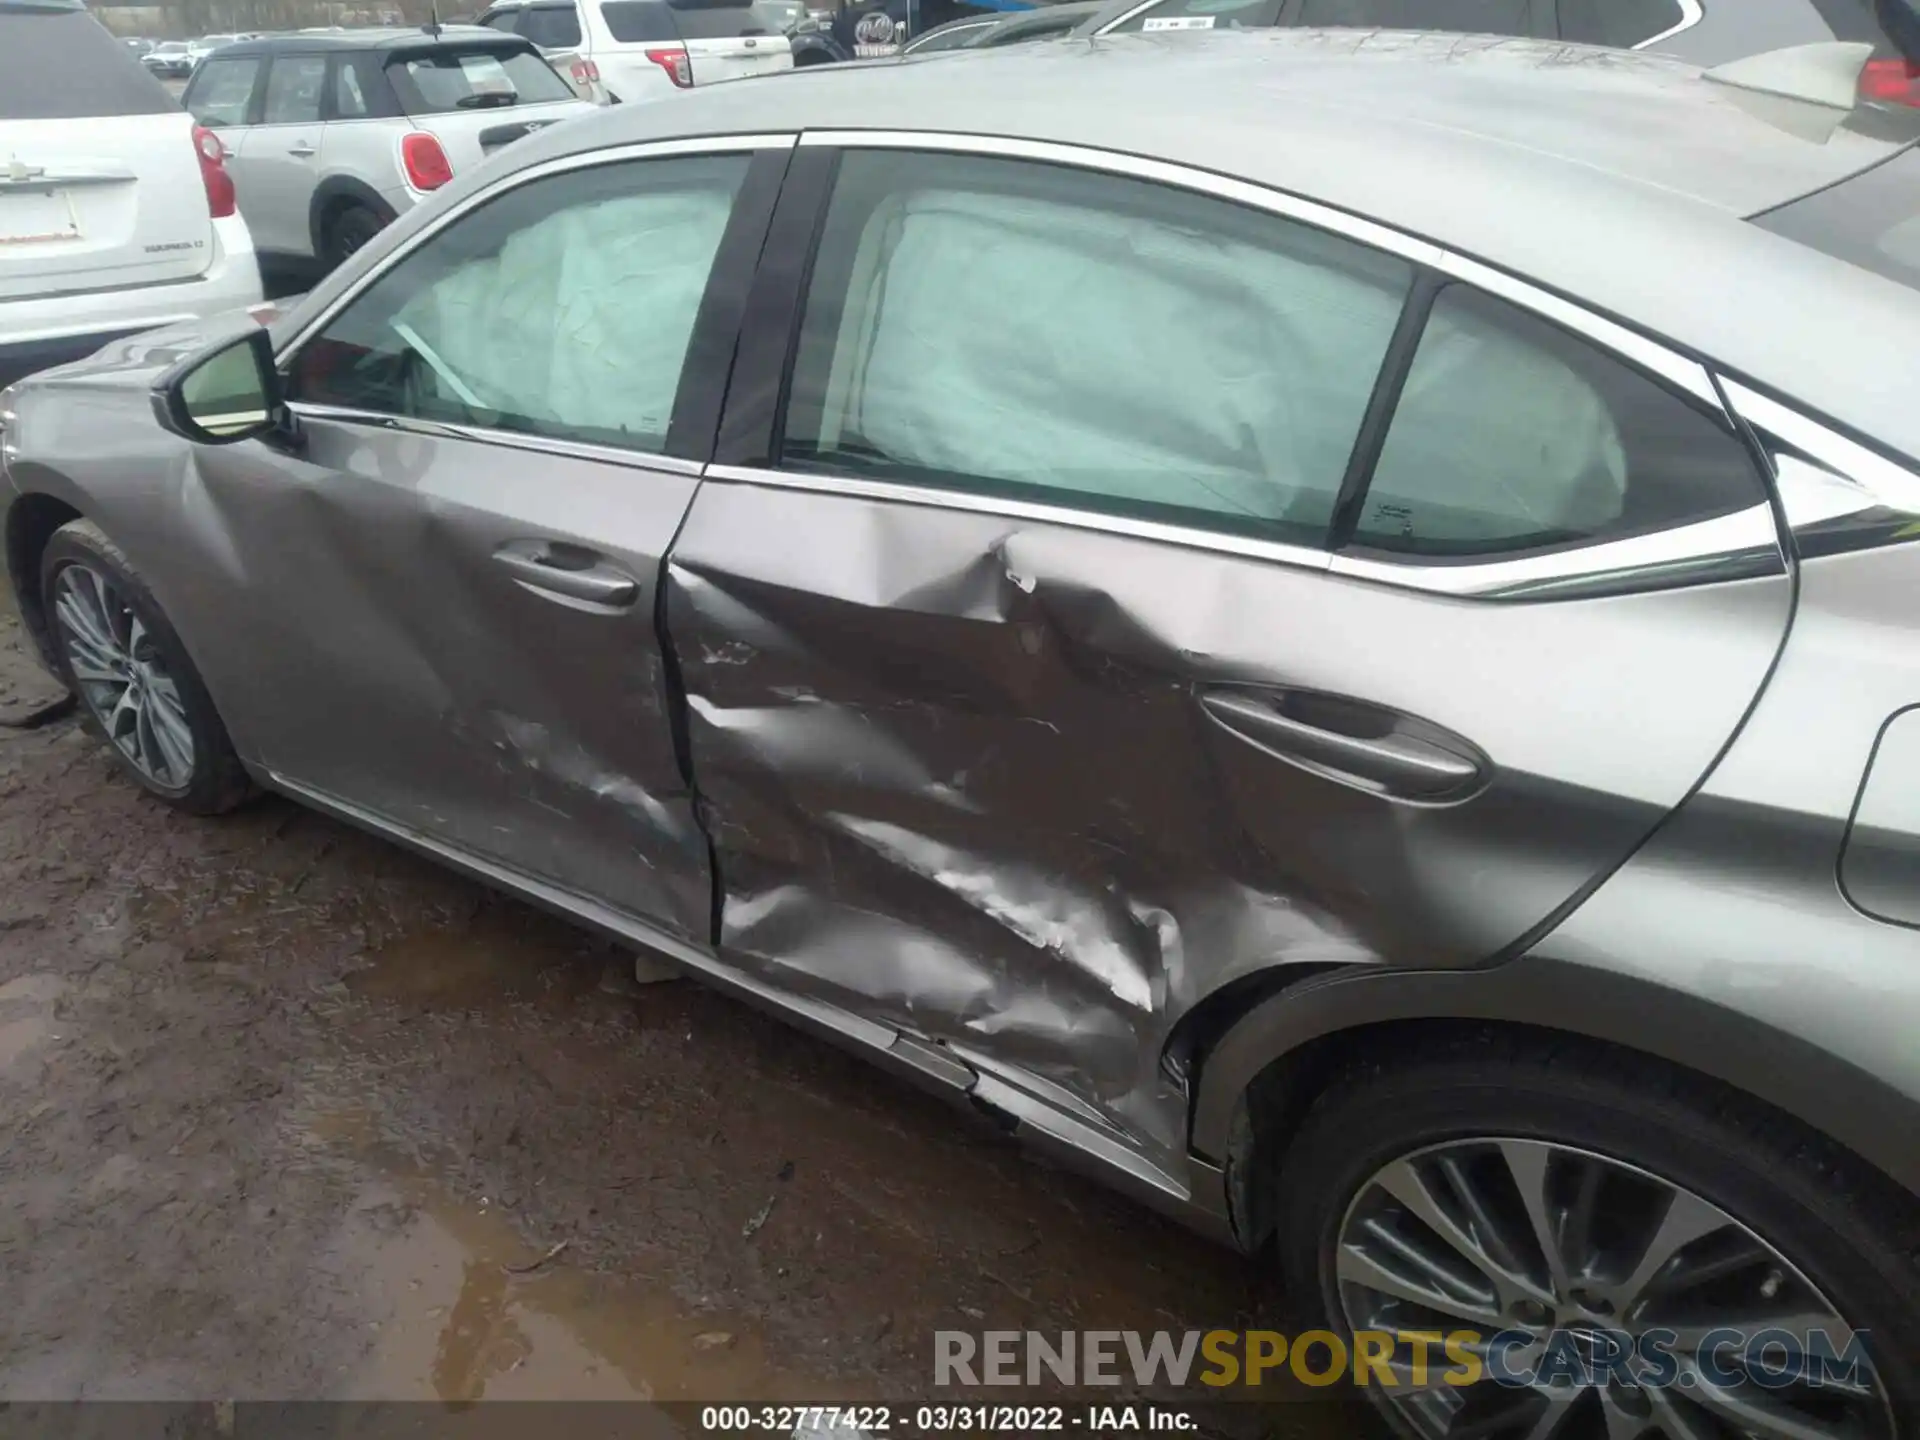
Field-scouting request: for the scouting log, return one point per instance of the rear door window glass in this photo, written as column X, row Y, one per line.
column 1201, row 15
column 1622, row 24
column 437, row 82
column 639, row 22
column 221, row 90
column 1513, row 435
column 552, row 27
column 718, row 19
column 63, row 65
column 295, row 84
column 1470, row 17
column 1035, row 332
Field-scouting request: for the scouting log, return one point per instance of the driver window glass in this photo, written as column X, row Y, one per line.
column 562, row 309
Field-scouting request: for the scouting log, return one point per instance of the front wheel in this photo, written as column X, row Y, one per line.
column 1618, row 1251
column 137, row 689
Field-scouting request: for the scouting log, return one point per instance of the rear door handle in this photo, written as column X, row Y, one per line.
column 303, row 150
column 1377, row 748
column 573, row 572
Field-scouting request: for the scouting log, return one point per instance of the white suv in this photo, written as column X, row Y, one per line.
column 116, row 212
column 644, row 49
column 330, row 136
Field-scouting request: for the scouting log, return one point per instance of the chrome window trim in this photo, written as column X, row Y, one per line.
column 1630, row 345
column 1737, row 546
column 1741, row 545
column 505, row 439
column 1690, row 15
column 1881, row 482
column 1302, row 557
column 715, row 145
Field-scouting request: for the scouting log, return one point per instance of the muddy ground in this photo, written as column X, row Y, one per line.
column 284, row 1110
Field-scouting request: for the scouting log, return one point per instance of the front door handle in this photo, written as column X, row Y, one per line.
column 1358, row 743
column 572, row 572
column 303, row 150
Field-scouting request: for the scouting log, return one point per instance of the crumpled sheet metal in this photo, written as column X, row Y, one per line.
column 955, row 796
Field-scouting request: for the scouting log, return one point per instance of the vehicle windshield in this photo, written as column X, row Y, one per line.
column 435, row 82
column 1872, row 220
column 171, row 47
column 58, row 64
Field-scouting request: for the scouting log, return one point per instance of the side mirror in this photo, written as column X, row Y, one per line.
column 218, row 396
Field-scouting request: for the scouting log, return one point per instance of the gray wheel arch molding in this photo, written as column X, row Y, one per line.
column 1548, row 996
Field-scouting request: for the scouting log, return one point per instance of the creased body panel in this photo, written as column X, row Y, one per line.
column 369, row 646
column 959, row 774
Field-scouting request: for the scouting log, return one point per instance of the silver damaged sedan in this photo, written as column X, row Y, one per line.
column 1322, row 624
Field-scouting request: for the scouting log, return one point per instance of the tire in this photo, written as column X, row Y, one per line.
column 77, row 558
column 1482, row 1103
column 347, row 230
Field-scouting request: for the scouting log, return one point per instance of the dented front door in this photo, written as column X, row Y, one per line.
column 452, row 604
column 457, row 636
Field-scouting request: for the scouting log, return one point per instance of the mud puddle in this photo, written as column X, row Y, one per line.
column 469, row 1310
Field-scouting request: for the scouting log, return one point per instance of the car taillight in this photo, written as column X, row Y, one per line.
column 212, row 156
column 674, row 61
column 425, row 162
column 1892, row 82
column 585, row 72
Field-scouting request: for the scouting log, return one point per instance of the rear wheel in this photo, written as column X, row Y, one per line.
column 348, row 229
column 137, row 689
column 1637, row 1253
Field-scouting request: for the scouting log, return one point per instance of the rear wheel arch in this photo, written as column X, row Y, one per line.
column 336, row 193
column 1254, row 1086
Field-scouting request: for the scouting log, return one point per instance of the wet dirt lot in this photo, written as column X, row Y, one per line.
column 290, row 1113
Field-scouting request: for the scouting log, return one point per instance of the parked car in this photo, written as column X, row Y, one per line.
column 170, row 58
column 137, row 47
column 330, row 136
column 1707, row 32
column 198, row 50
column 554, row 28
column 1052, row 22
column 875, row 29
column 1363, row 688
column 644, row 49
column 116, row 214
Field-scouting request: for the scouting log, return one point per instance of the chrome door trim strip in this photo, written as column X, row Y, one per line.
column 587, row 159
column 1303, row 557
column 506, row 439
column 1883, row 483
column 1648, row 354
column 1690, row 16
column 1742, row 545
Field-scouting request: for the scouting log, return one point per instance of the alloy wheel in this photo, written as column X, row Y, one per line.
column 1559, row 1261
column 122, row 676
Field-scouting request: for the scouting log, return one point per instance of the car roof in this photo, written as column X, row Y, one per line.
column 1618, row 178
column 386, row 39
